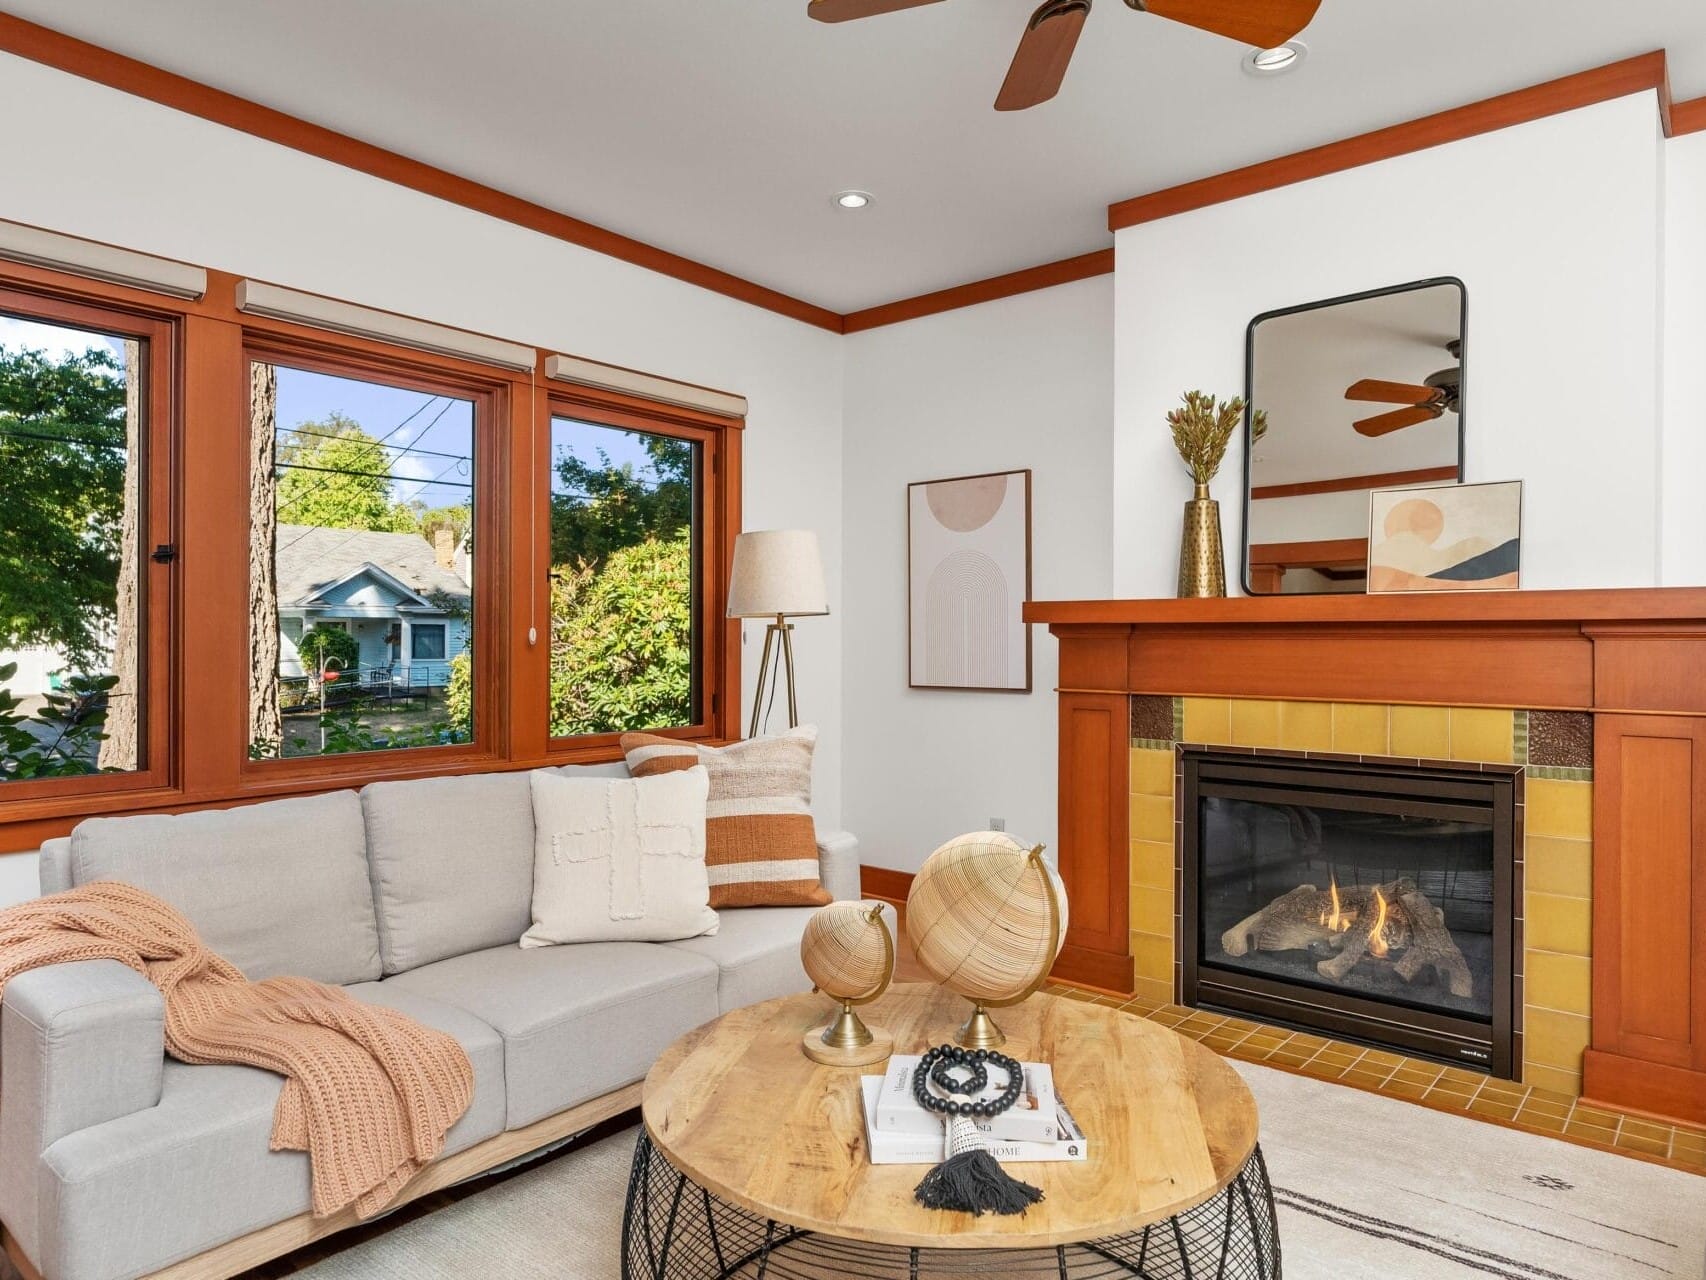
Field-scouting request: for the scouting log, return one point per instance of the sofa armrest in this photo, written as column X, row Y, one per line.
column 838, row 864
column 80, row 1044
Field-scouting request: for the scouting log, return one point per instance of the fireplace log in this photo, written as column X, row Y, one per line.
column 1432, row 946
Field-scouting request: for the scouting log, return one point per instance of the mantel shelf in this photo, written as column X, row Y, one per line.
column 1634, row 604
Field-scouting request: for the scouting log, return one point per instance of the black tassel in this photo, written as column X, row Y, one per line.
column 975, row 1182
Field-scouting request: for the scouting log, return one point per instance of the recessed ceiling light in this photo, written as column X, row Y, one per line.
column 852, row 199
column 1271, row 62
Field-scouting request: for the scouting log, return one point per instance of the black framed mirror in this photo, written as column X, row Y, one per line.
column 1361, row 392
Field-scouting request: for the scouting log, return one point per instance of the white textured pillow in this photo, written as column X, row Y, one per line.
column 619, row 860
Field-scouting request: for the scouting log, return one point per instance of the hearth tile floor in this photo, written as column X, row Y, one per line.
column 1429, row 1083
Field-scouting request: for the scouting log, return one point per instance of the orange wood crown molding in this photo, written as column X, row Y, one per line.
column 128, row 75
column 1687, row 117
column 1083, row 267
column 1584, row 89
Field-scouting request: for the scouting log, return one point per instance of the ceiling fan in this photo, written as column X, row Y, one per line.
column 1052, row 33
column 1437, row 394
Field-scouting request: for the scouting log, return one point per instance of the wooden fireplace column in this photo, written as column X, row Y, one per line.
column 1634, row 658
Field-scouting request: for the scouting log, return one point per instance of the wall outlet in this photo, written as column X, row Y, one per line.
column 998, row 824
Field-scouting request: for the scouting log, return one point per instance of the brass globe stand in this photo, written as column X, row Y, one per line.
column 847, row 1041
column 980, row 1031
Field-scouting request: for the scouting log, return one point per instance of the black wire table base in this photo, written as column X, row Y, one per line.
column 674, row 1229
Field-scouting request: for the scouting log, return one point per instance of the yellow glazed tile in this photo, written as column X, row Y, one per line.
column 1152, row 818
column 1558, row 924
column 1153, row 989
column 1359, row 729
column 1209, row 721
column 1151, row 771
column 1556, row 808
column 1306, row 726
column 1152, row 957
column 1151, row 910
column 1552, row 1039
column 1421, row 731
column 1481, row 734
column 1255, row 724
column 1554, row 865
column 1557, row 982
column 1152, row 864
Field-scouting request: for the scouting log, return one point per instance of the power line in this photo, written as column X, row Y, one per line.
column 328, row 435
column 376, row 475
column 448, row 401
column 16, row 433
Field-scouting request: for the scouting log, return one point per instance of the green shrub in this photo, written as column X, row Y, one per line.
column 61, row 740
column 321, row 642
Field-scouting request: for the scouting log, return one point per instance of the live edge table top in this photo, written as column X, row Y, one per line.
column 742, row 1112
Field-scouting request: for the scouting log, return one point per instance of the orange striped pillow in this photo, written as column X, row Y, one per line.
column 760, row 845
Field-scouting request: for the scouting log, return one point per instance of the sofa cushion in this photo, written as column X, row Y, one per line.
column 757, row 954
column 132, row 1195
column 275, row 888
column 577, row 1020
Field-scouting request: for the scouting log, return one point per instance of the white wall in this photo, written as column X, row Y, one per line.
column 1553, row 226
column 97, row 163
column 1682, row 460
column 1023, row 382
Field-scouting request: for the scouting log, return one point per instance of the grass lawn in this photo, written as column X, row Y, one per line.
column 382, row 720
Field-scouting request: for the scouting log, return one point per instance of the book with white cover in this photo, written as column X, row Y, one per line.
column 1031, row 1119
column 918, row 1148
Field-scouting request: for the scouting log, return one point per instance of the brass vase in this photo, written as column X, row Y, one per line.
column 1202, row 560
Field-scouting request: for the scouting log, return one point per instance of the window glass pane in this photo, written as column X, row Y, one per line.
column 624, row 607
column 362, row 502
column 71, row 531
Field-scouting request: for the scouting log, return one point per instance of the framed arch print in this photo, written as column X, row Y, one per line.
column 968, row 578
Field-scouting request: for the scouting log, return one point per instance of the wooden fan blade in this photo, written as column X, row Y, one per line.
column 1397, row 420
column 1263, row 23
column 1391, row 392
column 846, row 10
column 1044, row 52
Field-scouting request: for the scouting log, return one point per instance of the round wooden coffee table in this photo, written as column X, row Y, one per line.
column 753, row 1159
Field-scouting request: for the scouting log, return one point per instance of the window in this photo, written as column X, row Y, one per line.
column 627, row 586
column 427, row 642
column 82, row 622
column 362, row 498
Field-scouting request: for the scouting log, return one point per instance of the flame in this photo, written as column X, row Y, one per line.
column 1376, row 936
column 1336, row 920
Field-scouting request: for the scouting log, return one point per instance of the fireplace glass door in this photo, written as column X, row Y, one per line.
column 1370, row 902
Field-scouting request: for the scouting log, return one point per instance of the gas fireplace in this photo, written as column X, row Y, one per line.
column 1366, row 901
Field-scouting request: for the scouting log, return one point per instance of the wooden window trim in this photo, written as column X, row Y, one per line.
column 360, row 359
column 88, row 308
column 720, row 521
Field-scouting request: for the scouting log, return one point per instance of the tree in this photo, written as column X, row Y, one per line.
column 335, row 475
column 601, row 509
column 266, row 722
column 622, row 641
column 321, row 643
column 121, row 748
column 62, row 491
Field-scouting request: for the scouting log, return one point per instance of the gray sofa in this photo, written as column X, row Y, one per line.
column 116, row 1161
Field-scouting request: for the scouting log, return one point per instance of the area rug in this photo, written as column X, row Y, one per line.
column 1368, row 1187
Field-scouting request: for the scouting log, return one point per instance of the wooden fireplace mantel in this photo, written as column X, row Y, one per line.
column 1635, row 659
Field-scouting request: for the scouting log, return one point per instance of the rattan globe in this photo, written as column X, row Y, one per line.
column 848, row 953
column 986, row 918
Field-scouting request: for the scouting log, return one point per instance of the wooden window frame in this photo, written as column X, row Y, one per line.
column 92, row 308
column 489, row 391
column 718, row 517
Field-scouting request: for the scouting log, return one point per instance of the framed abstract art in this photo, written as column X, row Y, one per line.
column 968, row 578
column 1455, row 537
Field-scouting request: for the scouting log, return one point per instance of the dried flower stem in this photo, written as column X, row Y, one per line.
column 1203, row 429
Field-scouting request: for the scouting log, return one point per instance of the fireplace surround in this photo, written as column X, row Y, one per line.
column 1371, row 902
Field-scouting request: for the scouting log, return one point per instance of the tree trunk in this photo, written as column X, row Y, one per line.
column 121, row 748
column 266, row 726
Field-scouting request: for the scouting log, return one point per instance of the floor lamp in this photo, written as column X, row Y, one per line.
column 777, row 574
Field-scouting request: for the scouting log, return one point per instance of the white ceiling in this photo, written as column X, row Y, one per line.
column 719, row 128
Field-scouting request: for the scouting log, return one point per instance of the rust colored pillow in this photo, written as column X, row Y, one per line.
column 760, row 845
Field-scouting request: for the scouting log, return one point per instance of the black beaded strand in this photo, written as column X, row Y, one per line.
column 964, row 1072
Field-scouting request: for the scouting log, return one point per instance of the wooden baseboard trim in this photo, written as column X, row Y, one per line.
column 1629, row 1084
column 239, row 1255
column 1584, row 89
column 1100, row 969
column 1085, row 266
column 881, row 882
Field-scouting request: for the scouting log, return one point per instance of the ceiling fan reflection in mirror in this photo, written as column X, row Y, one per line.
column 1435, row 395
column 1050, row 36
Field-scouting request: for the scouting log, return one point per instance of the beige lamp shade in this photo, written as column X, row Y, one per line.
column 777, row 571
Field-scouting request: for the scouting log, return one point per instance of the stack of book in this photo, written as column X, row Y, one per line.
column 1037, row 1128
